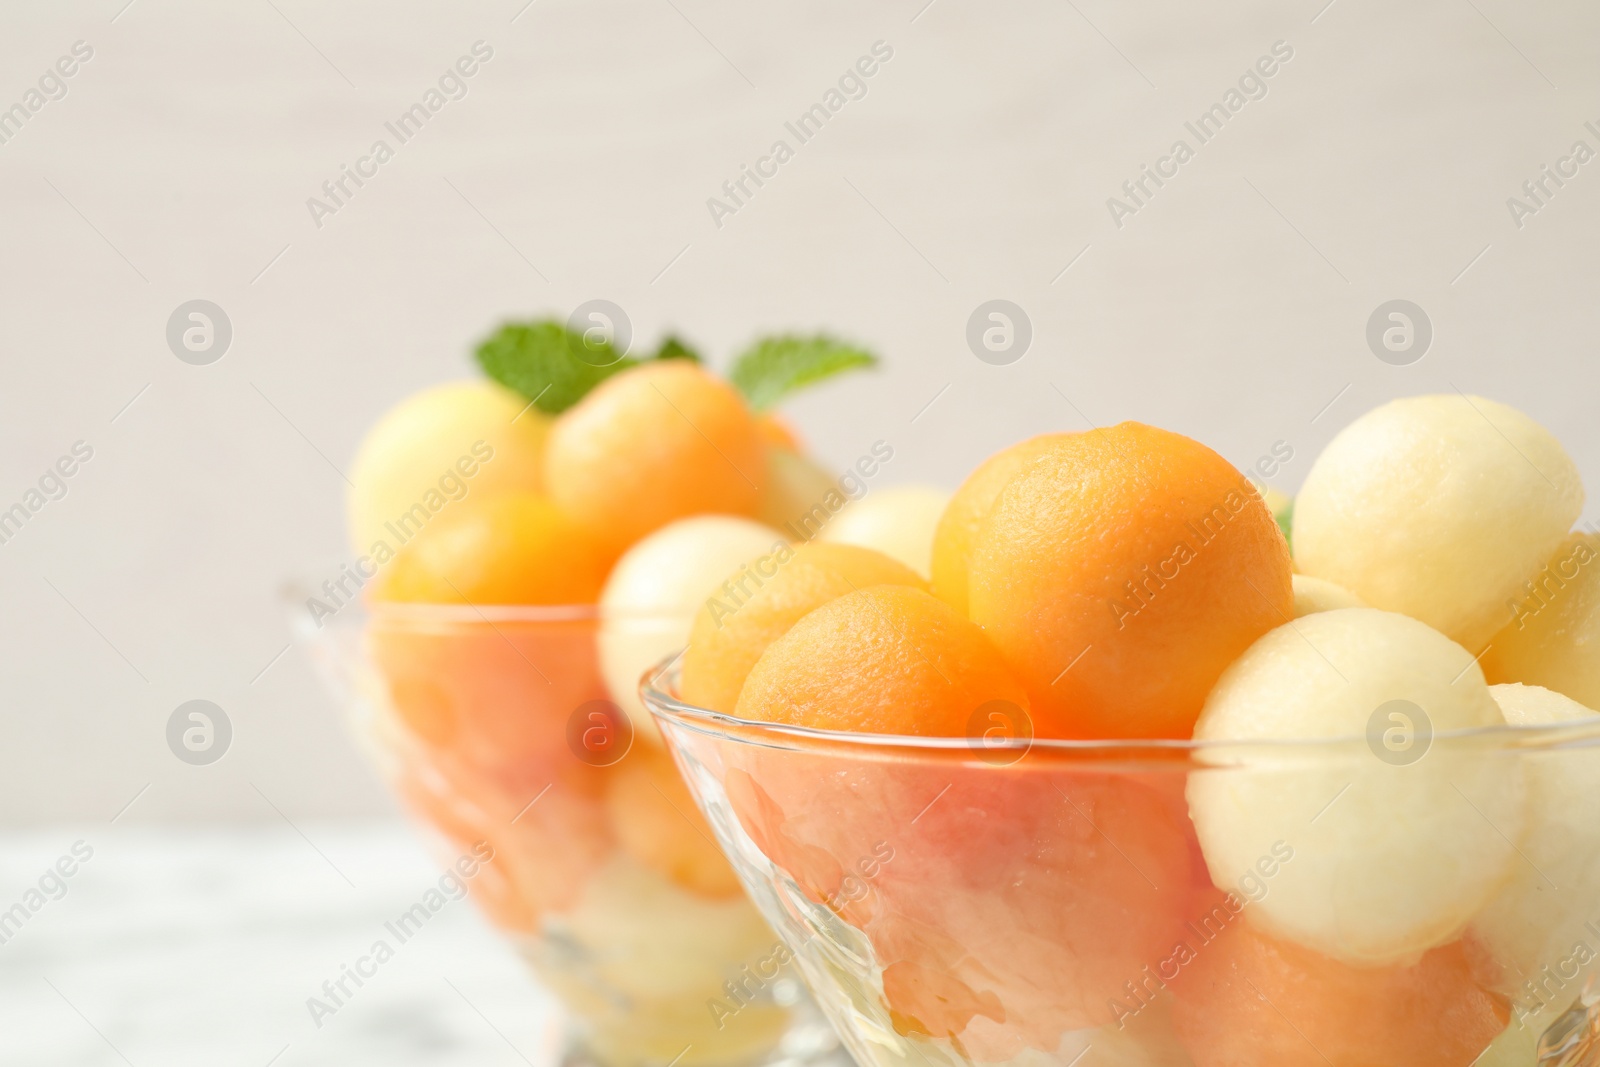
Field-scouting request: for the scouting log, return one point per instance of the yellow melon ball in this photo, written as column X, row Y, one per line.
column 794, row 491
column 654, row 955
column 1553, row 637
column 1438, row 507
column 1398, row 840
column 1312, row 595
column 897, row 520
column 435, row 447
column 651, row 597
column 1554, row 892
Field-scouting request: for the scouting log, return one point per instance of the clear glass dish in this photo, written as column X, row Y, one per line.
column 568, row 823
column 1171, row 904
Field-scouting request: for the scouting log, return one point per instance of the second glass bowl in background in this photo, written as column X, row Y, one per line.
column 497, row 729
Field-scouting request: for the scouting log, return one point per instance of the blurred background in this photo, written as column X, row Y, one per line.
column 1394, row 153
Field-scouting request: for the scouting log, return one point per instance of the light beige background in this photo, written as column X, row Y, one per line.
column 978, row 166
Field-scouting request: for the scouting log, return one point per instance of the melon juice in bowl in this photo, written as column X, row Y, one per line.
column 1133, row 782
column 528, row 546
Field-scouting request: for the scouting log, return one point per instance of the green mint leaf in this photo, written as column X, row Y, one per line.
column 548, row 363
column 777, row 366
column 672, row 348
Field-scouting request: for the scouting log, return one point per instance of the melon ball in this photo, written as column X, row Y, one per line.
column 1540, row 916
column 638, row 961
column 898, row 521
column 655, row 821
column 969, row 506
column 1438, row 507
column 1245, row 1000
column 516, row 548
column 1119, row 573
column 434, row 448
column 779, row 432
column 649, row 602
column 795, row 488
column 732, row 630
column 1398, row 840
column 1312, row 595
column 1553, row 636
column 888, row 659
column 661, row 441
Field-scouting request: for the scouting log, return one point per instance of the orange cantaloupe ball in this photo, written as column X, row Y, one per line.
column 516, row 548
column 779, row 432
column 759, row 603
column 655, row 443
column 889, row 659
column 543, row 855
column 964, row 514
column 495, row 696
column 1120, row 574
column 655, row 820
column 1246, row 1000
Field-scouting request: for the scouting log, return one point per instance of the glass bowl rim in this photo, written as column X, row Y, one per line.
column 657, row 691
column 295, row 591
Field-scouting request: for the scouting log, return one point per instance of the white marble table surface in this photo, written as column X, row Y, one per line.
column 201, row 947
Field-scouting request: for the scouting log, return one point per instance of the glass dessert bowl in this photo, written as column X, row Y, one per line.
column 496, row 728
column 1404, row 898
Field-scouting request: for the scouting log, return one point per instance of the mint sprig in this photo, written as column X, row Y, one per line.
column 548, row 363
column 555, row 368
column 672, row 348
column 774, row 367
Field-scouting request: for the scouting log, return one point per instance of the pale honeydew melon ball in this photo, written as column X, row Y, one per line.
column 641, row 959
column 1438, row 507
column 654, row 590
column 435, row 447
column 1541, row 915
column 1389, row 859
column 1312, row 595
column 798, row 495
column 898, row 521
column 1553, row 636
